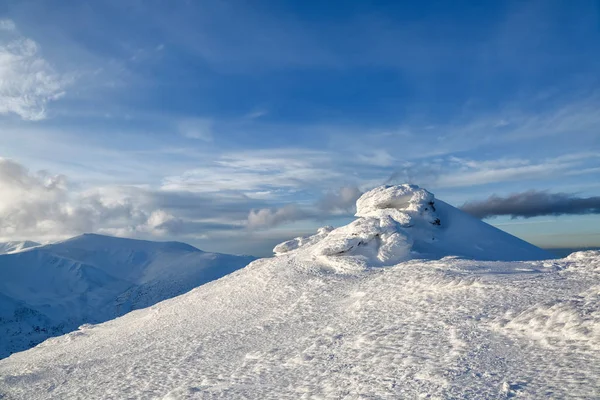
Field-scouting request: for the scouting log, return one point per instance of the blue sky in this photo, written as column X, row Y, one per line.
column 234, row 125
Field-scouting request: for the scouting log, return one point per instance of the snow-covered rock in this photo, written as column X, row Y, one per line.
column 398, row 223
column 50, row 290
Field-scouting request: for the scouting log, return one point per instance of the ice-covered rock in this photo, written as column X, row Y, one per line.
column 298, row 242
column 401, row 222
column 405, row 199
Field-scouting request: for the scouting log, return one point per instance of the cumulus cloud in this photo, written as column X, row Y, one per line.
column 43, row 206
column 343, row 200
column 39, row 204
column 533, row 204
column 27, row 81
column 269, row 217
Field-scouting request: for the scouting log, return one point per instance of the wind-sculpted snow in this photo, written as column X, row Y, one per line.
column 284, row 328
column 398, row 223
column 50, row 290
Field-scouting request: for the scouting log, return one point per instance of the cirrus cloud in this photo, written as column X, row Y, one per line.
column 27, row 81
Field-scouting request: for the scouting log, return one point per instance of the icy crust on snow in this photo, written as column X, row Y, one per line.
column 402, row 222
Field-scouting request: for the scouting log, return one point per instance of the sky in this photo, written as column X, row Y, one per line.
column 235, row 125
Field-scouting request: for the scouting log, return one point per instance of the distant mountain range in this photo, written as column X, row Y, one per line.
column 53, row 289
column 12, row 247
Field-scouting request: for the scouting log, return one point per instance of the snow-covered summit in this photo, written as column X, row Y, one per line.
column 401, row 222
column 394, row 199
column 99, row 242
column 16, row 246
column 50, row 290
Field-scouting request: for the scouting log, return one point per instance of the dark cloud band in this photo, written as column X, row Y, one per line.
column 533, row 204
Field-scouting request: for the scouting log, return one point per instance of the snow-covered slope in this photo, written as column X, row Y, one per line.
column 13, row 247
column 52, row 289
column 332, row 318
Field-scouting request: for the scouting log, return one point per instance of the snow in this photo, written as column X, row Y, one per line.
column 14, row 247
column 403, row 222
column 50, row 290
column 280, row 328
column 329, row 319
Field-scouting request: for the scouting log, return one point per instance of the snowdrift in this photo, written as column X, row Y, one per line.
column 50, row 290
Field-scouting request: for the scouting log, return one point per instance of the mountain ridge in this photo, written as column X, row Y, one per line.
column 16, row 246
column 93, row 278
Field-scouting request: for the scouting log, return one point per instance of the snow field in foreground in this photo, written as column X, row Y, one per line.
column 281, row 328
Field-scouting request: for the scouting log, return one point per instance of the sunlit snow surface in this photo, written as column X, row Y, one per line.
column 15, row 247
column 310, row 325
column 51, row 290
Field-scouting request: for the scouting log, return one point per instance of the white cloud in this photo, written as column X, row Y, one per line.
column 40, row 205
column 197, row 128
column 258, row 113
column 7, row 25
column 453, row 171
column 260, row 171
column 332, row 203
column 266, row 218
column 343, row 200
column 378, row 158
column 27, row 81
column 43, row 206
column 471, row 172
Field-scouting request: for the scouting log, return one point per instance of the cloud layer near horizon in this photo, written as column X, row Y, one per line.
column 533, row 204
column 43, row 206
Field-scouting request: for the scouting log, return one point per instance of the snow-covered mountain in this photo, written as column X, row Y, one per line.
column 384, row 308
column 13, row 247
column 397, row 223
column 50, row 290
